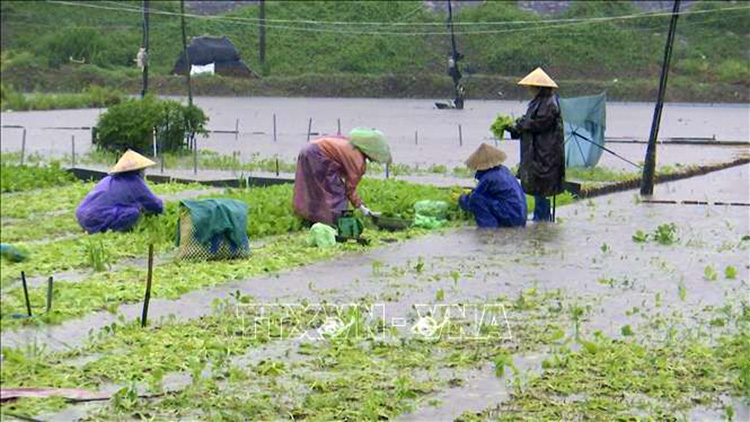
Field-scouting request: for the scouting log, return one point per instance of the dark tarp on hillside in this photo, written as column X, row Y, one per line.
column 218, row 50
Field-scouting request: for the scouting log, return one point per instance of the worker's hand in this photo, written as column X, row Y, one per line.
column 513, row 131
column 366, row 211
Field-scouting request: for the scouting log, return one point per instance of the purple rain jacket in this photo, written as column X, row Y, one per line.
column 116, row 203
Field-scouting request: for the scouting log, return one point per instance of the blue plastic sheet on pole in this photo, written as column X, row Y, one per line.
column 585, row 120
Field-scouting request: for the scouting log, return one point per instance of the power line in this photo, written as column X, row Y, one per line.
column 660, row 12
column 544, row 24
column 121, row 25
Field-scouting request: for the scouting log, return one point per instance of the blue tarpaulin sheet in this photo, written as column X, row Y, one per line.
column 585, row 120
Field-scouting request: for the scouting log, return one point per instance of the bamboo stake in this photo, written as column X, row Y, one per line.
column 49, row 294
column 73, row 151
column 147, row 298
column 23, row 145
column 195, row 155
column 309, row 129
column 26, row 293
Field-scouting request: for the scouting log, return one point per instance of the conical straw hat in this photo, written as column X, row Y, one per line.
column 538, row 78
column 485, row 157
column 131, row 161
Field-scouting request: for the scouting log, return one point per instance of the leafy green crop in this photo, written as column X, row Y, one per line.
column 664, row 234
column 499, row 126
column 16, row 178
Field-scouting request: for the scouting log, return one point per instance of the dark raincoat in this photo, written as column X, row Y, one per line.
column 497, row 201
column 542, row 167
column 116, row 203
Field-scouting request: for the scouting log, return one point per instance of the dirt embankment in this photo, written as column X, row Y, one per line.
column 75, row 79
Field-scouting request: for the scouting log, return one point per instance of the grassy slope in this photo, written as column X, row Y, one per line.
column 710, row 53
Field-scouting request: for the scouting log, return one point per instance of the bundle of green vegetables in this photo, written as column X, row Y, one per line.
column 499, row 126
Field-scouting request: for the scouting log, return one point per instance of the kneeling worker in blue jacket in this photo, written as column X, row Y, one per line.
column 498, row 200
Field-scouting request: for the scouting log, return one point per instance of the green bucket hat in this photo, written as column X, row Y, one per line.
column 372, row 143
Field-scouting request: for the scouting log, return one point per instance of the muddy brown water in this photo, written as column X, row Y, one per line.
column 437, row 130
column 591, row 241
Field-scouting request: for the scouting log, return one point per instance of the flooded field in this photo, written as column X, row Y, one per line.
column 620, row 309
column 418, row 133
column 643, row 307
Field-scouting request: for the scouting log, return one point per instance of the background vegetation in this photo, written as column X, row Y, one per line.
column 710, row 58
column 131, row 125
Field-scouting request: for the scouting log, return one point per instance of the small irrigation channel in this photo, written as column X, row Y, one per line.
column 626, row 307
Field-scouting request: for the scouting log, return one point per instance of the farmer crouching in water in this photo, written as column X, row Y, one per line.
column 118, row 200
column 498, row 200
column 329, row 170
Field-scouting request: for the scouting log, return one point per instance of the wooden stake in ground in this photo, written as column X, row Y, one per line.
column 195, row 155
column 26, row 293
column 274, row 127
column 460, row 136
column 309, row 129
column 23, row 145
column 147, row 298
column 338, row 122
column 153, row 141
column 49, row 294
column 73, row 151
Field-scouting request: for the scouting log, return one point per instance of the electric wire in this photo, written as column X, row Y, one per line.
column 543, row 24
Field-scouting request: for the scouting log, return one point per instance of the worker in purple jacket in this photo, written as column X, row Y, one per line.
column 117, row 201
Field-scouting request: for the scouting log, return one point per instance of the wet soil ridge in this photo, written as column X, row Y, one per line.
column 663, row 178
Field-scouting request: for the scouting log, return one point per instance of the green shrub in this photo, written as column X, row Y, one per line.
column 76, row 43
column 734, row 72
column 13, row 60
column 131, row 124
column 89, row 45
column 693, row 66
column 93, row 96
column 11, row 99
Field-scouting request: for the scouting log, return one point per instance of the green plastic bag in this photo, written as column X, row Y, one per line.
column 322, row 236
column 430, row 214
column 428, row 208
column 427, row 222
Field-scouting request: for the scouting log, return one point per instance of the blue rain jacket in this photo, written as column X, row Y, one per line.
column 498, row 200
column 116, row 203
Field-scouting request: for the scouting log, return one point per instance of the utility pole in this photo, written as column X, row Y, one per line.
column 144, row 45
column 453, row 68
column 185, row 52
column 262, row 34
column 647, row 180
